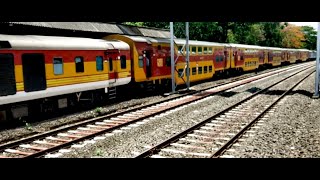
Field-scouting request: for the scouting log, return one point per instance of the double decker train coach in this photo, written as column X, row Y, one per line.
column 312, row 55
column 304, row 55
column 206, row 60
column 40, row 74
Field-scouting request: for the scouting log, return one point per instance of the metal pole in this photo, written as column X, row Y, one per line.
column 187, row 55
column 173, row 84
column 316, row 92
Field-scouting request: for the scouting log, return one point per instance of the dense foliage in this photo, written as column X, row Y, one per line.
column 272, row 34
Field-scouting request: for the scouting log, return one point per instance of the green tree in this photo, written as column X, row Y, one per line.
column 272, row 34
column 240, row 31
column 310, row 35
column 255, row 35
column 204, row 31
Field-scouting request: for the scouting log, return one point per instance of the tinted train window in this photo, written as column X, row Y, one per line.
column 110, row 64
column 200, row 70
column 205, row 50
column 217, row 58
column 194, row 71
column 180, row 50
column 180, row 72
column 168, row 61
column 7, row 75
column 210, row 50
column 140, row 61
column 205, row 69
column 79, row 64
column 221, row 58
column 210, row 68
column 57, row 66
column 193, row 50
column 199, row 50
column 99, row 63
column 123, row 61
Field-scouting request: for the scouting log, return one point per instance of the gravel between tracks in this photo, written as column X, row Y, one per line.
column 35, row 128
column 17, row 133
column 292, row 131
column 133, row 140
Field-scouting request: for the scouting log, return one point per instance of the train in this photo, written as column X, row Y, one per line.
column 43, row 74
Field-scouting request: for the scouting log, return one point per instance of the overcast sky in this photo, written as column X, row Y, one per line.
column 313, row 24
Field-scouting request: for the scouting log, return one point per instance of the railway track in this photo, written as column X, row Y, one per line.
column 52, row 141
column 213, row 136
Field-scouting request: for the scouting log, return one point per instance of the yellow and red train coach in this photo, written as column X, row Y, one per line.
column 39, row 67
column 205, row 59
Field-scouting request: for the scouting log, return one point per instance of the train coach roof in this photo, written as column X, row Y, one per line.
column 303, row 49
column 58, row 43
column 149, row 40
column 274, row 48
column 118, row 44
column 199, row 43
column 246, row 46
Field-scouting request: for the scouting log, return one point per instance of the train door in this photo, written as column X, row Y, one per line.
column 148, row 63
column 232, row 57
column 261, row 57
column 34, row 72
column 111, row 56
column 226, row 57
column 7, row 76
column 283, row 56
column 235, row 55
column 265, row 56
column 270, row 57
column 239, row 57
column 220, row 59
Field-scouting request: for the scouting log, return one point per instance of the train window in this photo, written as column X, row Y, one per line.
column 99, row 63
column 199, row 50
column 205, row 50
column 123, row 62
column 194, row 71
column 140, row 61
column 210, row 50
column 200, row 70
column 159, row 47
column 79, row 64
column 193, row 50
column 221, row 58
column 241, row 57
column 110, row 64
column 57, row 66
column 168, row 61
column 181, row 51
column 210, row 69
column 180, row 72
column 217, row 58
column 205, row 69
